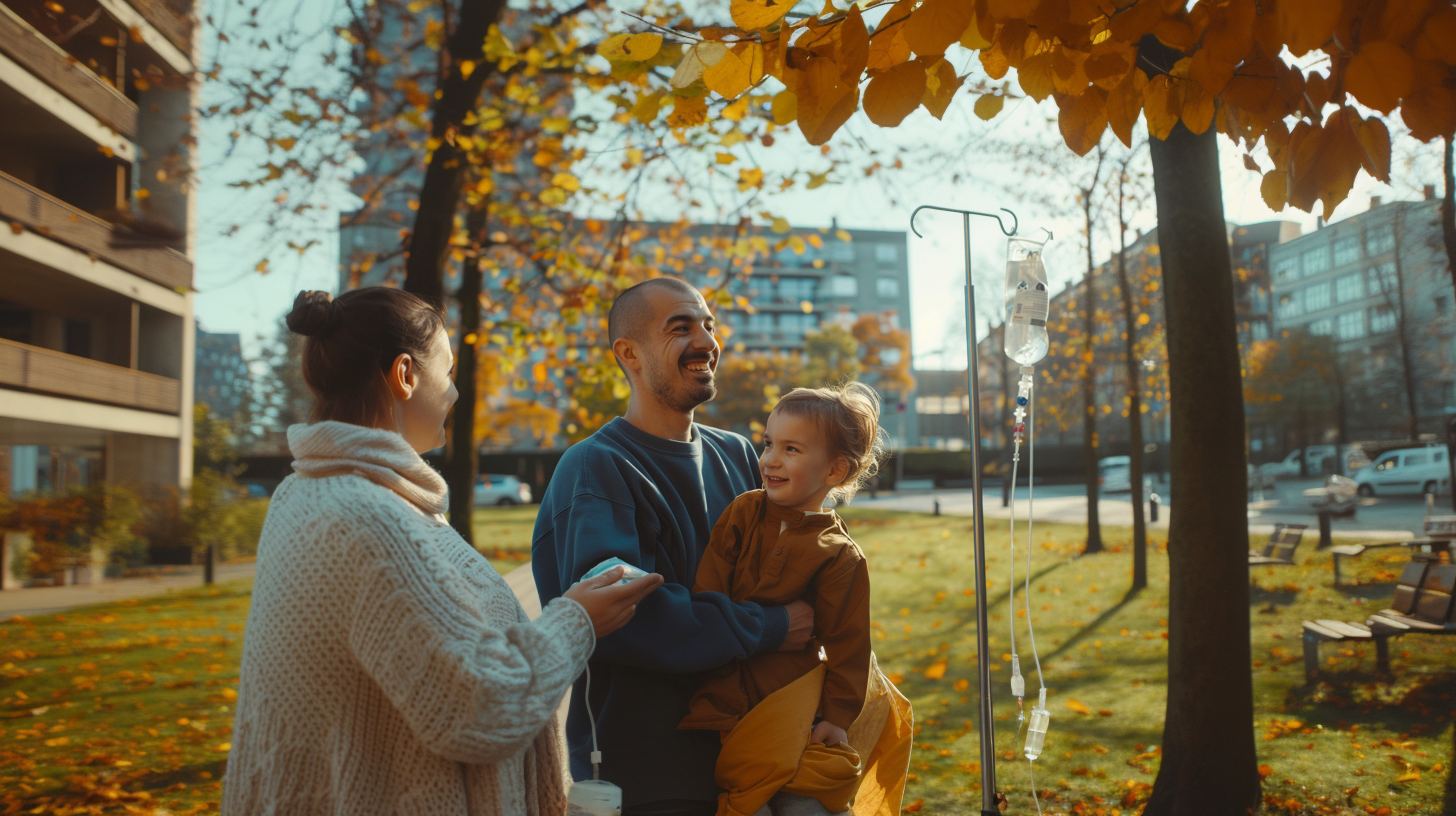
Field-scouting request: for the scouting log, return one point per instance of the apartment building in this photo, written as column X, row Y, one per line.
column 96, row 311
column 1379, row 284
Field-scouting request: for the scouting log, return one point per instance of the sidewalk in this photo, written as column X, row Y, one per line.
column 48, row 600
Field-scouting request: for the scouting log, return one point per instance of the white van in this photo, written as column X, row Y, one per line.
column 1114, row 474
column 1408, row 470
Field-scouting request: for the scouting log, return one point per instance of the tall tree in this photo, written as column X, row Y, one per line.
column 1448, row 206
column 1087, row 195
column 1133, row 368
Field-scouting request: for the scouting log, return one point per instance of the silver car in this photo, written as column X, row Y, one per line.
column 501, row 491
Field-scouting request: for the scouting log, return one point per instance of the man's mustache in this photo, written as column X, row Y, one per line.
column 691, row 357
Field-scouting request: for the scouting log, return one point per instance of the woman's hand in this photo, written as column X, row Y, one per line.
column 827, row 733
column 609, row 604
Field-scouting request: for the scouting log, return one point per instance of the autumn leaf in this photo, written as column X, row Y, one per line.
column 1125, row 104
column 1035, row 76
column 1306, row 24
column 915, row 806
column 749, row 177
column 1083, row 121
column 888, row 46
column 1374, row 141
column 936, row 24
column 988, row 105
column 946, row 83
column 1077, row 706
column 971, row 38
column 1429, row 112
column 754, row 15
column 936, row 670
column 785, row 107
column 824, row 100
column 737, row 71
column 695, row 61
column 1379, row 75
column 628, row 47
column 892, row 95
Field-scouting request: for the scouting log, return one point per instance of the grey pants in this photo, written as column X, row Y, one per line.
column 792, row 804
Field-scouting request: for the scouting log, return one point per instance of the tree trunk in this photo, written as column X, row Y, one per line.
column 1134, row 405
column 429, row 242
column 1209, row 764
column 1089, row 418
column 1448, row 214
column 464, row 459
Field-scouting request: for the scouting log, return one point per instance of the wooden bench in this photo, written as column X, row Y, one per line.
column 1437, row 534
column 1280, row 549
column 1422, row 605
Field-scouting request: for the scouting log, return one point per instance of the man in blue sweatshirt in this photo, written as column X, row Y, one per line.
column 647, row 488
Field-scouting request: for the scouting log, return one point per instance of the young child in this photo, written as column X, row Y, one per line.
column 774, row 546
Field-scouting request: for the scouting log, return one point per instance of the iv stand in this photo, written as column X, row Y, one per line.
column 989, row 794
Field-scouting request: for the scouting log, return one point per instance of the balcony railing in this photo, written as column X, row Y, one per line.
column 173, row 19
column 49, row 216
column 38, row 55
column 51, row 372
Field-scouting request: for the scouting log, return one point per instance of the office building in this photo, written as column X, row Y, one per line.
column 1379, row 284
column 96, row 326
column 222, row 380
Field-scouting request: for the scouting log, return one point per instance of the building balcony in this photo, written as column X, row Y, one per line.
column 22, row 44
column 155, row 36
column 64, row 375
column 27, row 208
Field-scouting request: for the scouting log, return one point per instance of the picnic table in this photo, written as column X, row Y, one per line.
column 1438, row 534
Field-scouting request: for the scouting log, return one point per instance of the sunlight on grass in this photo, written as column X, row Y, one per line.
column 126, row 707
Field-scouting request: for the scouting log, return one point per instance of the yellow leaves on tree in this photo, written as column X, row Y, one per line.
column 752, row 15
column 739, row 69
column 1228, row 70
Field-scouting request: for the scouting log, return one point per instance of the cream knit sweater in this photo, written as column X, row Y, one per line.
column 387, row 668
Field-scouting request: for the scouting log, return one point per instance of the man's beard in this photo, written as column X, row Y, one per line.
column 679, row 394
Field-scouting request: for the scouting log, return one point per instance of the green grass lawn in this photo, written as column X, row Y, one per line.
column 126, row 707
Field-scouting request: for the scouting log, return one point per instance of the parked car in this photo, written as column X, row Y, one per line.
column 1323, row 459
column 1114, row 474
column 1408, row 470
column 503, row 491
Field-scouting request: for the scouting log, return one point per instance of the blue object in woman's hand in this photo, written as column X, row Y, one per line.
column 629, row 572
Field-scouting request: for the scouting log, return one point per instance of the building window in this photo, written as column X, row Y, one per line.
column 886, row 253
column 1322, row 327
column 760, row 322
column 943, row 405
column 1317, row 297
column 795, row 290
column 1382, row 319
column 1380, row 240
column 887, row 287
column 838, row 251
column 1347, row 288
column 844, row 286
column 1259, row 300
column 1383, row 281
column 1290, row 306
column 1347, row 250
column 1259, row 331
column 1315, row 261
column 1351, row 325
column 1286, row 269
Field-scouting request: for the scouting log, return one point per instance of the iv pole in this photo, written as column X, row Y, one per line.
column 989, row 794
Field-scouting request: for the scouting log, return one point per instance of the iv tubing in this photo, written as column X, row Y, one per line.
column 1030, row 517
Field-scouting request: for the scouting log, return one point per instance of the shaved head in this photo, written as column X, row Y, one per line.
column 632, row 311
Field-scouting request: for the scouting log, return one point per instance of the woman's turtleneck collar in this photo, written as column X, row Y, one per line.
column 383, row 457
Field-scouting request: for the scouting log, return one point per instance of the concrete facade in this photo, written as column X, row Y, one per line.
column 96, row 175
column 1379, row 284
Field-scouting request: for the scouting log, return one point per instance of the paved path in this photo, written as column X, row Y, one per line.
column 1283, row 503
column 48, row 600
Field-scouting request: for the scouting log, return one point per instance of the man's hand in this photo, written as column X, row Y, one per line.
column 609, row 604
column 801, row 626
column 827, row 733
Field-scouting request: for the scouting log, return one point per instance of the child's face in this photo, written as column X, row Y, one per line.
column 797, row 466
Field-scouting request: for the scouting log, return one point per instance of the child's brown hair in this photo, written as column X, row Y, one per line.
column 849, row 416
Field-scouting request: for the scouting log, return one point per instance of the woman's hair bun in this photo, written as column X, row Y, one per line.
column 315, row 314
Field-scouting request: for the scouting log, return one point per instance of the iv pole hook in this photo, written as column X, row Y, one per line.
column 999, row 222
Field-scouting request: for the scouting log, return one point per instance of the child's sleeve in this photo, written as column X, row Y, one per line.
column 842, row 621
column 715, row 571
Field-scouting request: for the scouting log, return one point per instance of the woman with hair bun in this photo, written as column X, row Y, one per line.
column 387, row 667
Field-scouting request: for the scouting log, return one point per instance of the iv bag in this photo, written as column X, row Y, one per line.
column 1026, row 302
